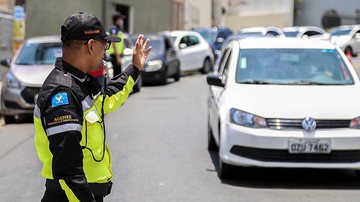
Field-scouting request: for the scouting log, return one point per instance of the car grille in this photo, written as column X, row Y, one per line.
column 272, row 155
column 297, row 123
column 28, row 94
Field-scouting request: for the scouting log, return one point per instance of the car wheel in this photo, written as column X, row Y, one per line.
column 211, row 140
column 138, row 85
column 206, row 66
column 225, row 170
column 9, row 119
column 177, row 74
column 163, row 80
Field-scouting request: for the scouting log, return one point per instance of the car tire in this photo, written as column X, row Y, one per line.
column 163, row 80
column 225, row 170
column 138, row 85
column 211, row 141
column 206, row 66
column 9, row 119
column 177, row 74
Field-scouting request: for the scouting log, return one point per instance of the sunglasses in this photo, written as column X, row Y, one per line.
column 107, row 46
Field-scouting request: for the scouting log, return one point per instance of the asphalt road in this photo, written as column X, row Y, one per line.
column 158, row 140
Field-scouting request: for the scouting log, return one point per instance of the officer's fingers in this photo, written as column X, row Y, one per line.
column 148, row 50
column 146, row 43
column 138, row 43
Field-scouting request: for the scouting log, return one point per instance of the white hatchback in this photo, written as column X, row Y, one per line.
column 284, row 102
column 194, row 52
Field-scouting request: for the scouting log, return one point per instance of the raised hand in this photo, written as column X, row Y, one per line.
column 140, row 52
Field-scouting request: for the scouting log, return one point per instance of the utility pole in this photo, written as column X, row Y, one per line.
column 216, row 13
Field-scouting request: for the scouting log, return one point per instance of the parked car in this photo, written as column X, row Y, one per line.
column 194, row 52
column 303, row 31
column 215, row 36
column 347, row 38
column 284, row 102
column 28, row 70
column 162, row 62
column 268, row 31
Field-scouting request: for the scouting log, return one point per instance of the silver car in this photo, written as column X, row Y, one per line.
column 28, row 70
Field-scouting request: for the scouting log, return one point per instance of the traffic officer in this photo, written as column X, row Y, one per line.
column 116, row 49
column 69, row 112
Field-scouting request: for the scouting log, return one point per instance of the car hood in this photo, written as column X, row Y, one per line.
column 33, row 75
column 296, row 102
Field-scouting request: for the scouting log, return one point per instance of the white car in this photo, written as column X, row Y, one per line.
column 268, row 31
column 194, row 52
column 284, row 102
column 347, row 37
column 304, row 31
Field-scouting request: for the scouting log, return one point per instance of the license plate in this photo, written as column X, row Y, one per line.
column 309, row 146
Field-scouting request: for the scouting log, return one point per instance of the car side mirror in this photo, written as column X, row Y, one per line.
column 182, row 45
column 215, row 79
column 5, row 62
column 127, row 52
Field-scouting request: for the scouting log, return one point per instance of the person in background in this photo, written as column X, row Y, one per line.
column 117, row 49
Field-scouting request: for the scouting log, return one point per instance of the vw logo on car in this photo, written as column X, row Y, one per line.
column 309, row 124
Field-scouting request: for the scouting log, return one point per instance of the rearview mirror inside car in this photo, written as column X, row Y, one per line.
column 215, row 79
column 5, row 62
column 182, row 46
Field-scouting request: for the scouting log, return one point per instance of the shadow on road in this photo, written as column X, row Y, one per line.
column 281, row 178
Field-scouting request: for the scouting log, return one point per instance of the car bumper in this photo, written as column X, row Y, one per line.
column 155, row 76
column 244, row 146
column 13, row 103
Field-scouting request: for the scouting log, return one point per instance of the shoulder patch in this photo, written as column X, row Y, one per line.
column 59, row 99
column 113, row 31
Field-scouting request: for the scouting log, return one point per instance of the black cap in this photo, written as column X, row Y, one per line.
column 84, row 26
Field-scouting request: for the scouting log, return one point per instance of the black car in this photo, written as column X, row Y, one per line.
column 162, row 62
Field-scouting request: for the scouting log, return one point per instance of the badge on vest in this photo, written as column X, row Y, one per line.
column 59, row 99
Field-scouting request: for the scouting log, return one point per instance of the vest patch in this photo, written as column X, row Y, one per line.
column 59, row 99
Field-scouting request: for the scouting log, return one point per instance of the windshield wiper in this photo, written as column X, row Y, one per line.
column 254, row 82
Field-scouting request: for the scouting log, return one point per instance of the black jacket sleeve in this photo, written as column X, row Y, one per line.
column 117, row 83
column 62, row 118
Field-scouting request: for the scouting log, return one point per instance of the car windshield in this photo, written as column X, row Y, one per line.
column 340, row 32
column 157, row 45
column 291, row 33
column 39, row 54
column 209, row 36
column 292, row 67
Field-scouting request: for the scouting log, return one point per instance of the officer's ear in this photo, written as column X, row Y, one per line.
column 91, row 46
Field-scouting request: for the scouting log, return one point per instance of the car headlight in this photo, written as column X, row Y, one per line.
column 355, row 123
column 246, row 119
column 153, row 65
column 11, row 81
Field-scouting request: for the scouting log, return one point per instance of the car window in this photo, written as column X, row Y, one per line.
column 168, row 44
column 340, row 32
column 39, row 54
column 193, row 40
column 221, row 62
column 185, row 40
column 293, row 67
column 291, row 33
column 311, row 33
column 225, row 71
column 272, row 33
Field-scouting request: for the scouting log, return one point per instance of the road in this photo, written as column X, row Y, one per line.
column 158, row 141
